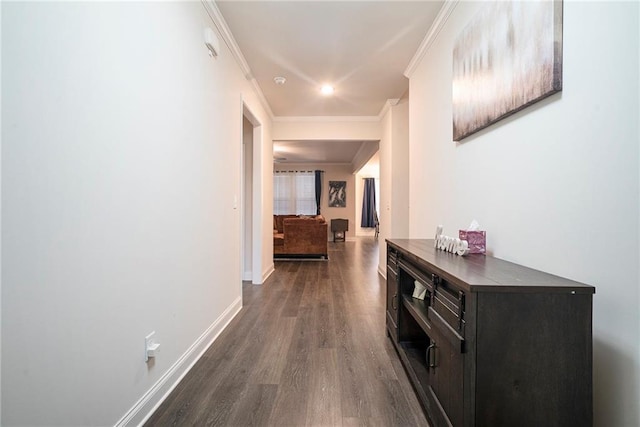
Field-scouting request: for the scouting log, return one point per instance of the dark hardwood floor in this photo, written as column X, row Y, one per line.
column 308, row 348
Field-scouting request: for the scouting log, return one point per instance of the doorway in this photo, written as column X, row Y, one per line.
column 247, row 200
column 251, row 246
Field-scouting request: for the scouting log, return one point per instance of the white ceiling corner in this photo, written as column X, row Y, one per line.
column 225, row 32
column 326, row 119
column 223, row 29
column 431, row 36
column 367, row 150
column 387, row 105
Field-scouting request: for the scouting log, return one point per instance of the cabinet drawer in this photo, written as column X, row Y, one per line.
column 449, row 304
column 448, row 314
column 455, row 339
column 392, row 258
column 418, row 276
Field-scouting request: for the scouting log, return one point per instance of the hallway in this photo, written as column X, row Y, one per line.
column 308, row 348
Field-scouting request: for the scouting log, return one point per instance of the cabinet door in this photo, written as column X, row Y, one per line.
column 445, row 379
column 392, row 301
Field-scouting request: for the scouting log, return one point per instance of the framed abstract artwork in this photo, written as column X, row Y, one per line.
column 507, row 58
column 337, row 194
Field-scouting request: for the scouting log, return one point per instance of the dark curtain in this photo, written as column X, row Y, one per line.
column 369, row 204
column 318, row 190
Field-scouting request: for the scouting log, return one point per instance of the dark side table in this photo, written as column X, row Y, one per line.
column 339, row 227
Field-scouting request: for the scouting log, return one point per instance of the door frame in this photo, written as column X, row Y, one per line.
column 256, row 208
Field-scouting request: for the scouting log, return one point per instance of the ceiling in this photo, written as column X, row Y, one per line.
column 345, row 152
column 362, row 48
column 315, row 151
column 321, row 151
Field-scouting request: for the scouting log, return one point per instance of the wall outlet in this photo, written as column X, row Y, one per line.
column 151, row 347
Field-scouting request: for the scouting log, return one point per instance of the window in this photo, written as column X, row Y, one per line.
column 294, row 193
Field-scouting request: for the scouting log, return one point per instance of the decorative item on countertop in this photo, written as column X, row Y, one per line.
column 419, row 291
column 476, row 238
column 450, row 244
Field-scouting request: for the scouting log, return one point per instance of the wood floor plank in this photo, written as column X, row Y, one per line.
column 293, row 392
column 363, row 422
column 307, row 348
column 273, row 359
column 292, row 302
column 323, row 406
column 256, row 407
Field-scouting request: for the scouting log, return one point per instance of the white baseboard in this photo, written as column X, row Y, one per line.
column 247, row 275
column 268, row 273
column 146, row 406
column 382, row 272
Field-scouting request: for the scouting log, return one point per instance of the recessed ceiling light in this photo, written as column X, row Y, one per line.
column 279, row 80
column 327, row 90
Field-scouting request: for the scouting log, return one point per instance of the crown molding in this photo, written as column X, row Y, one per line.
column 261, row 97
column 326, row 119
column 223, row 29
column 391, row 102
column 358, row 162
column 303, row 165
column 436, row 27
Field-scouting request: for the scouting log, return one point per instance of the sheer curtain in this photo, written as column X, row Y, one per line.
column 294, row 192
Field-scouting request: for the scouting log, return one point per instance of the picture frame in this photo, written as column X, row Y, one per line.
column 337, row 194
column 506, row 59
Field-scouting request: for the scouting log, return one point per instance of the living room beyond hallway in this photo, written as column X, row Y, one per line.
column 307, row 348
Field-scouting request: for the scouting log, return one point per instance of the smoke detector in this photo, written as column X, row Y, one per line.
column 279, row 80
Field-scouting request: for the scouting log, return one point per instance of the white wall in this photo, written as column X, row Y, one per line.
column 301, row 128
column 394, row 177
column 332, row 172
column 386, row 187
column 555, row 186
column 0, row 218
column 399, row 161
column 263, row 197
column 121, row 158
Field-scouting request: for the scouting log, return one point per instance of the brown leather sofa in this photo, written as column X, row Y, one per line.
column 295, row 236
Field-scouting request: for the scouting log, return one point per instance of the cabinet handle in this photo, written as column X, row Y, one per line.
column 461, row 309
column 431, row 356
column 394, row 302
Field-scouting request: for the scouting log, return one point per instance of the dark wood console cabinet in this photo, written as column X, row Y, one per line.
column 493, row 343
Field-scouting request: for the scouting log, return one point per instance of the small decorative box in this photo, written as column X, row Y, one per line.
column 477, row 240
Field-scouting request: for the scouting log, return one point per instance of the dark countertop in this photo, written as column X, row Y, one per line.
column 483, row 273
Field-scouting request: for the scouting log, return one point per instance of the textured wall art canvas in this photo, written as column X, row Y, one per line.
column 507, row 58
column 337, row 194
